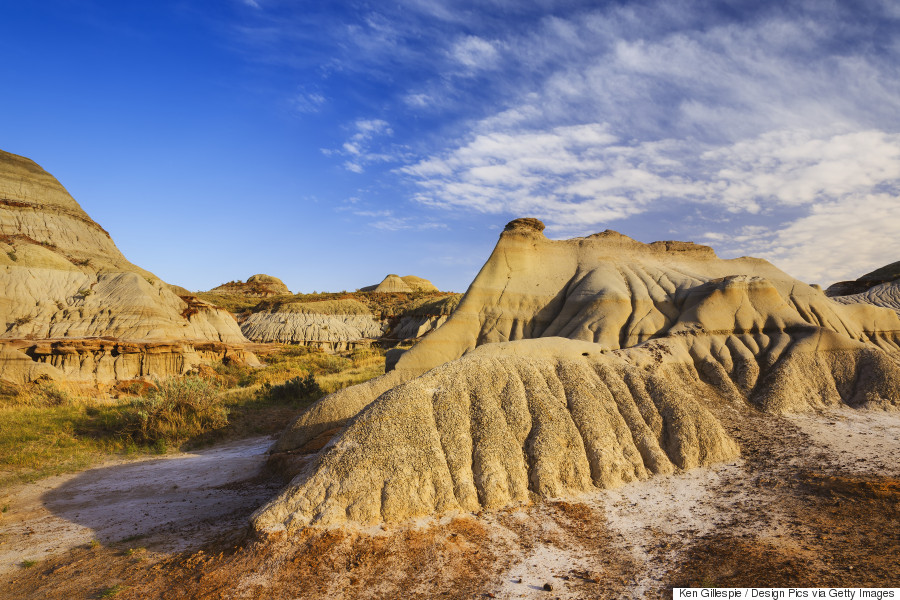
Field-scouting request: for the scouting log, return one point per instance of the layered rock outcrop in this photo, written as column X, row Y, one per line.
column 886, row 295
column 886, row 274
column 64, row 278
column 422, row 318
column 110, row 359
column 332, row 325
column 576, row 364
column 881, row 287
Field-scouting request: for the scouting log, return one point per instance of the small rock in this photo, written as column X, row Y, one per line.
column 548, row 587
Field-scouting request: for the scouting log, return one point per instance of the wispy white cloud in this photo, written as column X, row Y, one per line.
column 579, row 176
column 387, row 220
column 308, row 102
column 800, row 168
column 475, row 53
column 357, row 150
column 418, row 100
column 839, row 239
column 764, row 120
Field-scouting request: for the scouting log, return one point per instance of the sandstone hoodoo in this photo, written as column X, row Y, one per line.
column 256, row 286
column 576, row 364
column 64, row 279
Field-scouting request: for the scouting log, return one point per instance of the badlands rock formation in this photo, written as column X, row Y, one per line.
column 418, row 284
column 257, row 286
column 885, row 274
column 63, row 279
column 406, row 284
column 422, row 318
column 881, row 287
column 886, row 295
column 332, row 325
column 577, row 364
column 391, row 283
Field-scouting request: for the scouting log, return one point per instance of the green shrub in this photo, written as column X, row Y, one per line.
column 110, row 592
column 46, row 393
column 296, row 390
column 326, row 307
column 178, row 409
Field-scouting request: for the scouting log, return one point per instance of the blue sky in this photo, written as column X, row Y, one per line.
column 332, row 143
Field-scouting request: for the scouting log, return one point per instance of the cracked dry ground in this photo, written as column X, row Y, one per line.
column 812, row 502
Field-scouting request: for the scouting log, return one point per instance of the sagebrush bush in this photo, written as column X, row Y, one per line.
column 296, row 390
column 45, row 393
column 178, row 409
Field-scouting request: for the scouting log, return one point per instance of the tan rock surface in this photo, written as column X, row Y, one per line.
column 418, row 284
column 45, row 225
column 63, row 277
column 580, row 363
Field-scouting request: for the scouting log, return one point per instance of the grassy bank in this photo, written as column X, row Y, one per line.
column 51, row 428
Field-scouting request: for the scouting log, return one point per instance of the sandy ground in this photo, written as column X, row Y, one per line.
column 814, row 500
column 169, row 504
column 859, row 441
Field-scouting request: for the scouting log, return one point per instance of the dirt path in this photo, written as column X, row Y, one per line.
column 170, row 504
column 814, row 500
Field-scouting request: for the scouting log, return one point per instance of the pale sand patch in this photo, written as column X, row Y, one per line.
column 549, row 559
column 861, row 441
column 172, row 503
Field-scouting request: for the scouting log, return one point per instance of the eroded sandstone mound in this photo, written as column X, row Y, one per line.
column 332, row 325
column 393, row 283
column 256, row 286
column 63, row 278
column 576, row 364
column 419, row 284
column 407, row 284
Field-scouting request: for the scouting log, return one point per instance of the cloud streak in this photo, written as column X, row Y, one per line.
column 764, row 119
column 769, row 121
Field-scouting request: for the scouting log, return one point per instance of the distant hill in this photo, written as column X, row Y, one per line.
column 257, row 286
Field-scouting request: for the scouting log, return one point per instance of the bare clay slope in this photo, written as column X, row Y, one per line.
column 884, row 294
column 586, row 362
column 331, row 325
column 607, row 289
column 63, row 277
